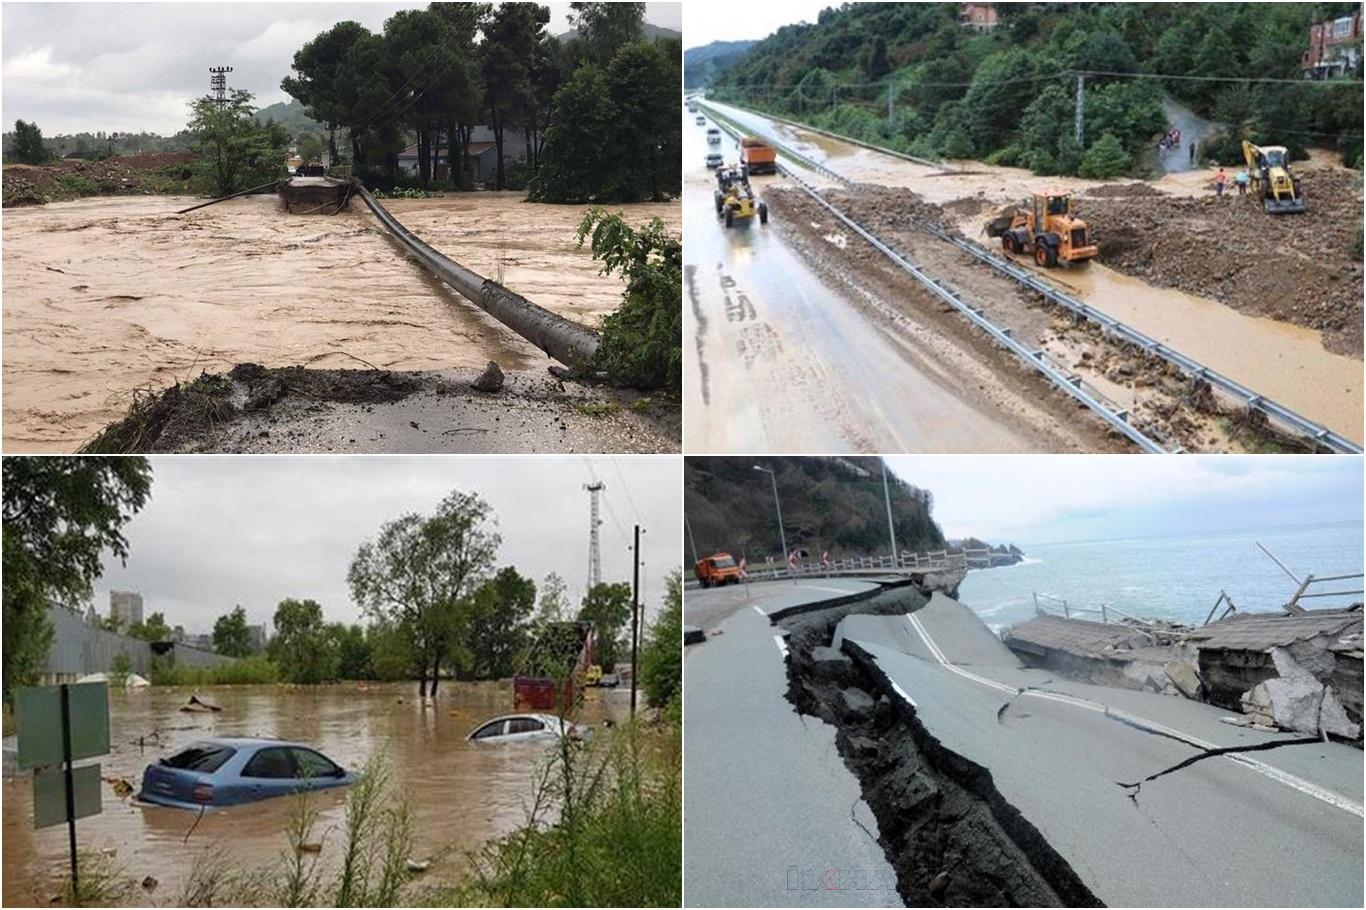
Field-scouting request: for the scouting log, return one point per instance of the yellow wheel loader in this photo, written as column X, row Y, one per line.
column 735, row 199
column 1046, row 230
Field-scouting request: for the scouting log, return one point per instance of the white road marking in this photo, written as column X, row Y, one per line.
column 1276, row 774
column 759, row 611
column 782, row 645
column 832, row 590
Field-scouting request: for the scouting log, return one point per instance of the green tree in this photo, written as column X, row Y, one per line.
column 644, row 85
column 153, row 629
column 661, row 652
column 235, row 150
column 605, row 27
column 642, row 340
column 553, row 602
column 302, row 647
column 60, row 514
column 27, row 145
column 231, row 635
column 577, row 152
column 608, row 607
column 319, row 82
column 499, row 610
column 1105, row 158
column 511, row 34
column 119, row 669
column 354, row 651
column 418, row 573
column 878, row 65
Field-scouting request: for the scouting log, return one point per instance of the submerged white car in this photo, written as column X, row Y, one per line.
column 514, row 727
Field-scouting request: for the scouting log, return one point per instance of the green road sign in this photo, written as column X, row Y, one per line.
column 38, row 713
column 49, row 794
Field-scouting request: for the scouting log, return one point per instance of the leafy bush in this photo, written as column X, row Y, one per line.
column 1105, row 158
column 78, row 185
column 247, row 671
column 642, row 340
column 661, row 654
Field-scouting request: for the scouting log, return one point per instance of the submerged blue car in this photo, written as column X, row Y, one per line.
column 227, row 771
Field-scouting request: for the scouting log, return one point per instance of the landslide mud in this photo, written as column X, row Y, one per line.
column 107, row 296
column 949, row 834
column 1162, row 402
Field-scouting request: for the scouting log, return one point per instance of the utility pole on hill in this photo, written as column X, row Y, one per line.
column 635, row 618
column 218, row 84
column 1079, row 130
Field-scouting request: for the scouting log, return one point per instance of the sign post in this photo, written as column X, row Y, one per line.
column 59, row 725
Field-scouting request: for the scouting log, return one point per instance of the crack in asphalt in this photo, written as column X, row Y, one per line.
column 1135, row 787
column 1001, row 712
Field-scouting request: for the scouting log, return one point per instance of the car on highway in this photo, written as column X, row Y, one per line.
column 228, row 771
column 701, row 121
column 713, row 136
column 518, row 727
column 713, row 159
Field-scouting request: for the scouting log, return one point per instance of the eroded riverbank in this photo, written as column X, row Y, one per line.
column 107, row 296
column 461, row 795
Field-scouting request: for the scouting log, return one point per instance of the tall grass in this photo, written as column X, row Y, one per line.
column 618, row 840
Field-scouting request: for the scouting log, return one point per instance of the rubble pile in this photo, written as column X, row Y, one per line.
column 1305, row 269
column 131, row 175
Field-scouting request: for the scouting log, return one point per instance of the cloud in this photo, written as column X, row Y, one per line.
column 38, row 66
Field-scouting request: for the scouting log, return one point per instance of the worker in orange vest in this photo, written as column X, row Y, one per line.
column 1219, row 180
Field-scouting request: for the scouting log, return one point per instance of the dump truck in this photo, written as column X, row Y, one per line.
column 757, row 156
column 735, row 198
column 716, row 570
column 1272, row 179
column 1047, row 230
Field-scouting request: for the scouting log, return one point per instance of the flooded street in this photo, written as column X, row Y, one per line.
column 104, row 296
column 460, row 795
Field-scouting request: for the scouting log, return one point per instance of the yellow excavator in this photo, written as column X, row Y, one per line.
column 1272, row 179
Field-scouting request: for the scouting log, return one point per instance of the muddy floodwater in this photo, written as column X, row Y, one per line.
column 105, row 296
column 461, row 795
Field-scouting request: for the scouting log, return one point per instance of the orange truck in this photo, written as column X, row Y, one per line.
column 757, row 156
column 716, row 570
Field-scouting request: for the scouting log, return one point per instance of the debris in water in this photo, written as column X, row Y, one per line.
column 419, row 865
column 122, row 787
column 150, row 883
column 201, row 704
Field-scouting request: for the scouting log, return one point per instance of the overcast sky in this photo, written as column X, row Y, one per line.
column 714, row 20
column 1059, row 498
column 255, row 529
column 116, row 67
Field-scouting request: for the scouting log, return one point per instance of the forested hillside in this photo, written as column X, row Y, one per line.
column 1008, row 95
column 833, row 504
column 701, row 65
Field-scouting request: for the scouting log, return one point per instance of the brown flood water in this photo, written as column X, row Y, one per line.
column 461, row 795
column 105, row 296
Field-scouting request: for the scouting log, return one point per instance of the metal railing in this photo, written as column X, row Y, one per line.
column 1105, row 611
column 1304, row 592
column 938, row 560
column 1112, row 415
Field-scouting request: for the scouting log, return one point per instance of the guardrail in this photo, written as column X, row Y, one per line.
column 1304, row 592
column 1145, row 627
column 1197, row 371
column 930, row 561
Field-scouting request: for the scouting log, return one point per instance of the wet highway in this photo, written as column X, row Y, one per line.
column 778, row 360
column 1275, row 828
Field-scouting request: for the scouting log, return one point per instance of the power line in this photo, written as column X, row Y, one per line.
column 1070, row 73
column 626, row 488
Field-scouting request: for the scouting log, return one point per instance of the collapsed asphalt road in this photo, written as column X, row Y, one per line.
column 769, row 807
column 1272, row 828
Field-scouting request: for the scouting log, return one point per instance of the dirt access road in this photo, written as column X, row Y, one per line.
column 780, row 357
column 105, row 296
column 1172, row 232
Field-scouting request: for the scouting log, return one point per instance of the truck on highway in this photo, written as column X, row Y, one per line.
column 716, row 570
column 757, row 156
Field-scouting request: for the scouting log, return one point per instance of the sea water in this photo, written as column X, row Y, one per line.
column 1175, row 577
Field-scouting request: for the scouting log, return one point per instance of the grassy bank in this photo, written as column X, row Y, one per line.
column 245, row 671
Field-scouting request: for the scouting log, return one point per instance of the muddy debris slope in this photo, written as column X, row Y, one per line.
column 1304, row 269
column 951, row 837
column 252, row 408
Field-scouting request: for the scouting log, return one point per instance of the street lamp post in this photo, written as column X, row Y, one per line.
column 891, row 528
column 777, row 505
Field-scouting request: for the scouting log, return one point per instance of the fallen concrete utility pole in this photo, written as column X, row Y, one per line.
column 254, row 189
column 567, row 342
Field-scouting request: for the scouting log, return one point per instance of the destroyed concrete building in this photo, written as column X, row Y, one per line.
column 1295, row 671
